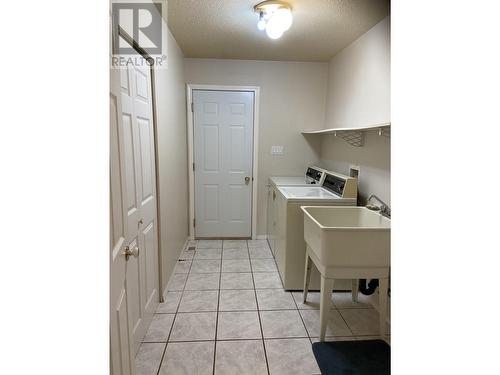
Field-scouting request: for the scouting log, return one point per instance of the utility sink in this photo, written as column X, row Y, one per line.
column 347, row 237
column 347, row 243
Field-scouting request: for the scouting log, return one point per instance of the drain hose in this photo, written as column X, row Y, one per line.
column 370, row 289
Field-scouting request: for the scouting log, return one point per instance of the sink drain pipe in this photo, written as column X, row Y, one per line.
column 370, row 289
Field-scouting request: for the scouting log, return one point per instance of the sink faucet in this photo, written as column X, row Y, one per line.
column 384, row 209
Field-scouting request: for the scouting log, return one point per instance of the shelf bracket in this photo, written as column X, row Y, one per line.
column 354, row 138
column 385, row 132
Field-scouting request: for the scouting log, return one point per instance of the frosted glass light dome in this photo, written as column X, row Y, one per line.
column 273, row 29
column 284, row 18
column 275, row 17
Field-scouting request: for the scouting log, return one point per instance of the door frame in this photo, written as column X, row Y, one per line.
column 255, row 149
column 141, row 51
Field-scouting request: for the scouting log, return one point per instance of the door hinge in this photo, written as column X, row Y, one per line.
column 192, row 107
column 194, row 222
column 193, row 167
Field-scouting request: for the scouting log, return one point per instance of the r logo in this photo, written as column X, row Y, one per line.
column 141, row 21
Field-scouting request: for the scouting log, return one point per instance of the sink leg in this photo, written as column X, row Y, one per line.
column 382, row 298
column 324, row 305
column 355, row 287
column 307, row 276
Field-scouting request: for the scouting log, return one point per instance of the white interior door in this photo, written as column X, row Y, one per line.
column 139, row 171
column 223, row 152
column 121, row 357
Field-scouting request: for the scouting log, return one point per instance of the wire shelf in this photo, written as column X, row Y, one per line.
column 385, row 132
column 355, row 136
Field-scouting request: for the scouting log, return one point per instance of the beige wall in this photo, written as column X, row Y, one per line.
column 292, row 98
column 359, row 95
column 352, row 90
column 172, row 157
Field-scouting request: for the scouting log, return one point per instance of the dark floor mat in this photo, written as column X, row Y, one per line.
column 369, row 357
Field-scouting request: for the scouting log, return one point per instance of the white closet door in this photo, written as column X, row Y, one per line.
column 121, row 356
column 139, row 157
column 223, row 147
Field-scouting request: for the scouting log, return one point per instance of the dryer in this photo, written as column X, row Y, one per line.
column 313, row 176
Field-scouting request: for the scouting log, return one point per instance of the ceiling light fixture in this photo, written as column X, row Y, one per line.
column 261, row 25
column 275, row 17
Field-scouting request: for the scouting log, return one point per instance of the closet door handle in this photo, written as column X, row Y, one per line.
column 128, row 253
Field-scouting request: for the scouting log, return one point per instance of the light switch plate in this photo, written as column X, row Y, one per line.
column 276, row 150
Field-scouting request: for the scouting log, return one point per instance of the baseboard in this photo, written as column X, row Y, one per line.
column 258, row 237
column 165, row 287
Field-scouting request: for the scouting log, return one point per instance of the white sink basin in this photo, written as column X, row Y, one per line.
column 347, row 237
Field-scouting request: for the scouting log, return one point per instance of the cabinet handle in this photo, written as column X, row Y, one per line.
column 274, row 195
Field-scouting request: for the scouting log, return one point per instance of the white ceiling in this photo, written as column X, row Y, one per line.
column 227, row 29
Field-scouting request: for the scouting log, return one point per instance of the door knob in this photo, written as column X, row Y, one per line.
column 247, row 179
column 134, row 252
column 141, row 221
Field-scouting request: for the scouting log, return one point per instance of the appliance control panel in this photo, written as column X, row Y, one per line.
column 334, row 184
column 313, row 176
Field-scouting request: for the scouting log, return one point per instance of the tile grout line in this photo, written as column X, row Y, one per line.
column 332, row 303
column 175, row 314
column 234, row 339
column 217, row 313
column 348, row 326
column 298, row 311
column 219, row 290
column 239, row 310
column 258, row 315
column 301, row 318
column 279, row 274
column 335, row 308
column 218, row 308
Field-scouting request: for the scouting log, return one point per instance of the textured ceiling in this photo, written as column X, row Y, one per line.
column 227, row 29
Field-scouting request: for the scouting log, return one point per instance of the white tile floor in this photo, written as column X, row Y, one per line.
column 225, row 312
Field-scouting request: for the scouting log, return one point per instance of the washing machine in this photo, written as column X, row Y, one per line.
column 289, row 246
column 313, row 176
